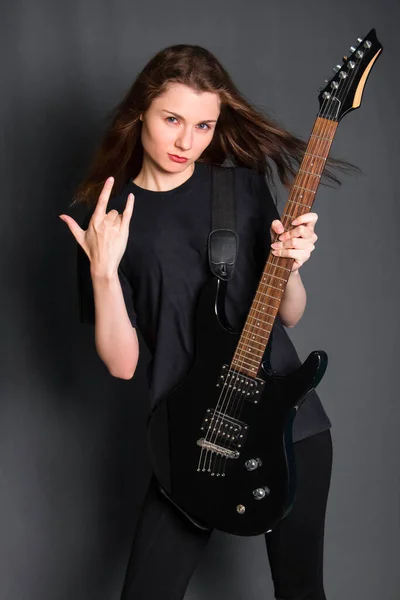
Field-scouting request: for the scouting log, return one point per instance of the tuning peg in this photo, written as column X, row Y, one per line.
column 352, row 49
column 337, row 68
column 359, row 40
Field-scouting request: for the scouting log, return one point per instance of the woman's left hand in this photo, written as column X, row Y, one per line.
column 297, row 243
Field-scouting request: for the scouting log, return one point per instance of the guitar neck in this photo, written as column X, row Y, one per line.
column 260, row 320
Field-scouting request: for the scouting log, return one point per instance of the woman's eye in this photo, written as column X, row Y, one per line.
column 202, row 128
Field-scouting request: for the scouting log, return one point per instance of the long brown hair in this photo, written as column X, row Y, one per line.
column 243, row 135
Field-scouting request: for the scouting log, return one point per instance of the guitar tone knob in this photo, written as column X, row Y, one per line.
column 251, row 464
column 259, row 493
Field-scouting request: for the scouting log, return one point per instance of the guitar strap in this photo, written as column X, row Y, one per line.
column 223, row 240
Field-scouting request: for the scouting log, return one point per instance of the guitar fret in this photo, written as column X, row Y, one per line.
column 252, row 360
column 262, row 321
column 275, row 288
column 244, row 365
column 260, row 336
column 244, row 362
column 284, row 268
column 251, row 316
column 248, row 336
column 315, row 155
column 290, row 217
column 276, row 276
column 321, row 138
column 272, row 297
column 300, row 203
column 276, row 266
column 262, row 313
column 261, row 300
column 246, row 344
column 248, row 341
column 309, row 173
column 258, row 319
column 303, row 188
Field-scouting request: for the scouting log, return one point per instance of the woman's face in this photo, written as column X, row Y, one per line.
column 180, row 122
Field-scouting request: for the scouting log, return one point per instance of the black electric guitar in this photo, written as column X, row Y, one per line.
column 221, row 442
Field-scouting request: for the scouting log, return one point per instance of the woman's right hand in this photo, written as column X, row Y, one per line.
column 106, row 237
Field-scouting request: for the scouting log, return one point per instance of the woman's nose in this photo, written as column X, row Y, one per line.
column 184, row 140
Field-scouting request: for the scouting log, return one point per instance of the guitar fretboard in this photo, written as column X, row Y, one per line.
column 256, row 331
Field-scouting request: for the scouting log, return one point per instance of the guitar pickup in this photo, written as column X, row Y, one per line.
column 224, row 429
column 245, row 387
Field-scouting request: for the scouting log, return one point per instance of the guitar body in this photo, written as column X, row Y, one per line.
column 211, row 489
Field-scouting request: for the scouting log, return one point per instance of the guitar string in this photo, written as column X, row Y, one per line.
column 315, row 149
column 216, row 426
column 265, row 287
column 222, row 414
column 275, row 266
column 241, row 397
column 347, row 81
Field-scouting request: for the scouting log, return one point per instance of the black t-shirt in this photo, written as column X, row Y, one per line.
column 166, row 264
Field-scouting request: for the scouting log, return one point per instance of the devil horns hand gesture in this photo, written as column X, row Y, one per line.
column 297, row 243
column 106, row 237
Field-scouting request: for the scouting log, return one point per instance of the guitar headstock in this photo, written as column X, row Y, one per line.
column 344, row 91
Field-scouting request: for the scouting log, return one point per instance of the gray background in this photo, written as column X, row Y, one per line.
column 72, row 467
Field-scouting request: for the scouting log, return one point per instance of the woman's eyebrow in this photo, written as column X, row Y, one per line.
column 183, row 118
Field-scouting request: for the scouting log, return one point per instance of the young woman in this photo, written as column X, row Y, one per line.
column 142, row 260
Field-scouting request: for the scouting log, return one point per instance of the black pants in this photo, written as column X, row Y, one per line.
column 167, row 546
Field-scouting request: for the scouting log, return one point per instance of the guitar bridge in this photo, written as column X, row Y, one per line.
column 226, row 452
column 241, row 385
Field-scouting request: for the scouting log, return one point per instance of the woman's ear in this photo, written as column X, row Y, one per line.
column 141, row 117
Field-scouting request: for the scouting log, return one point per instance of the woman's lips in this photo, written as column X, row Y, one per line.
column 177, row 158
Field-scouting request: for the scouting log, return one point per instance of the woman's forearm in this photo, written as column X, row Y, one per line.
column 115, row 339
column 294, row 300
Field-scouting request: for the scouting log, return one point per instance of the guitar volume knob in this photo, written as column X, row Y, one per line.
column 253, row 463
column 260, row 493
